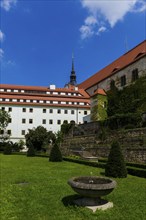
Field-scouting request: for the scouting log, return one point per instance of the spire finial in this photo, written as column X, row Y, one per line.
column 72, row 61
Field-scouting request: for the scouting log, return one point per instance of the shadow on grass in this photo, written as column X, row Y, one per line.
column 69, row 200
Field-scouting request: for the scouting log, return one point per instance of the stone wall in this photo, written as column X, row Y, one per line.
column 132, row 142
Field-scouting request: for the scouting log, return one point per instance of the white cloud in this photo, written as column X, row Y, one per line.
column 91, row 20
column 86, row 31
column 110, row 12
column 1, row 54
column 7, row 4
column 101, row 30
column 2, row 36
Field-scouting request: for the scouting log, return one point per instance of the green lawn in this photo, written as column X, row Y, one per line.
column 47, row 196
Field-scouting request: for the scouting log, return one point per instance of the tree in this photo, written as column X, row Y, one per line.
column 115, row 166
column 118, row 101
column 59, row 138
column 55, row 154
column 38, row 138
column 4, row 121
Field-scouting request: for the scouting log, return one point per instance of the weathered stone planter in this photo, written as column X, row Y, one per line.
column 92, row 189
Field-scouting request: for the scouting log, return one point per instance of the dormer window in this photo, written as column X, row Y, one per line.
column 115, row 69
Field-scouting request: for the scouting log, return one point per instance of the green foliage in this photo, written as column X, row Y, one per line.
column 59, row 137
column 31, row 152
column 122, row 120
column 116, row 166
column 4, row 119
column 136, row 172
column 7, row 149
column 38, row 138
column 55, row 154
column 118, row 101
column 66, row 127
column 99, row 110
column 15, row 147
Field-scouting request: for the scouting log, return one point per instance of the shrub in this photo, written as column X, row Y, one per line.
column 7, row 149
column 31, row 152
column 55, row 154
column 129, row 126
column 115, row 166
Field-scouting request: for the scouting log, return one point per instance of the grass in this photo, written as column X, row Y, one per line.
column 32, row 188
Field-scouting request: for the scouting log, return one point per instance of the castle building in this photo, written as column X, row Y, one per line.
column 122, row 72
column 32, row 106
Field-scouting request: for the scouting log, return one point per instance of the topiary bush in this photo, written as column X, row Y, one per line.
column 7, row 149
column 31, row 152
column 116, row 166
column 55, row 154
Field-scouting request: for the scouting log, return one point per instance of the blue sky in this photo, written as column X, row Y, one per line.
column 37, row 37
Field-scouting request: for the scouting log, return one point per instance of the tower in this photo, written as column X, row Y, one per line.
column 73, row 74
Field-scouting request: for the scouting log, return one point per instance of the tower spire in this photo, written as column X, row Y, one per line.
column 73, row 74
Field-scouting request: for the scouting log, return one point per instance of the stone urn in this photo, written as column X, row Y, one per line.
column 91, row 189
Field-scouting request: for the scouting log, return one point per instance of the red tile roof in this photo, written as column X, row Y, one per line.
column 100, row 92
column 25, row 97
column 123, row 61
column 80, row 91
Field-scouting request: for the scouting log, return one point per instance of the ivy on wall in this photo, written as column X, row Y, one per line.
column 98, row 109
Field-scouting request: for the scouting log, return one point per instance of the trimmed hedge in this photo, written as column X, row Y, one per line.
column 131, row 170
column 129, row 164
column 136, row 172
column 85, row 162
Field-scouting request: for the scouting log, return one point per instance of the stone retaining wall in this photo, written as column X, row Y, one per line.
column 132, row 142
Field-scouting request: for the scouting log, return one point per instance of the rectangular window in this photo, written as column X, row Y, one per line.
column 10, row 120
column 58, row 111
column 51, row 121
column 65, row 111
column 3, row 108
column 44, row 121
column 72, row 112
column 58, row 122
column 51, row 111
column 134, row 75
column 85, row 112
column 23, row 120
column 24, row 110
column 31, row 110
column 30, row 121
column 123, row 80
column 9, row 132
column 10, row 109
column 1, row 131
column 23, row 132
column 44, row 110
